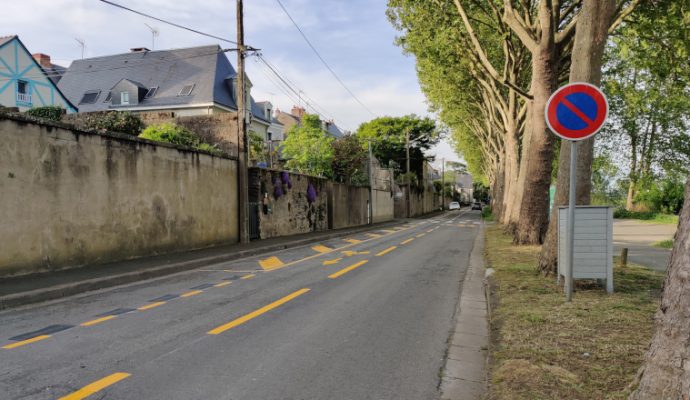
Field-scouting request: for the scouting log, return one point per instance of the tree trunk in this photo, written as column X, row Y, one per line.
column 511, row 175
column 632, row 185
column 498, row 191
column 536, row 162
column 586, row 59
column 665, row 373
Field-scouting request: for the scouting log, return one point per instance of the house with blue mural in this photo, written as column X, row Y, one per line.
column 23, row 82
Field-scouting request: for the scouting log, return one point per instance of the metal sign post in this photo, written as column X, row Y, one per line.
column 575, row 112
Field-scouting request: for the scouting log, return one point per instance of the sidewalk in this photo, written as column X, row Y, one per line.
column 464, row 375
column 34, row 288
column 639, row 237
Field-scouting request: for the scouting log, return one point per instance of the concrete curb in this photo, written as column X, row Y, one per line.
column 60, row 291
column 464, row 374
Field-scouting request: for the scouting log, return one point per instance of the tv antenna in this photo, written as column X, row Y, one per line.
column 82, row 44
column 154, row 32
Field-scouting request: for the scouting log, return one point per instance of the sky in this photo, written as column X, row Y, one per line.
column 353, row 36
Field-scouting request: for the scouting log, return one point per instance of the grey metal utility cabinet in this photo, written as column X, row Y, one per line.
column 593, row 249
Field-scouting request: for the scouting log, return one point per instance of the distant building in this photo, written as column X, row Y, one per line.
column 294, row 117
column 28, row 81
column 464, row 186
column 189, row 81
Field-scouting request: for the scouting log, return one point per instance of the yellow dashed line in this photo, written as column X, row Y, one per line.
column 421, row 234
column 222, row 284
column 250, row 276
column 192, row 293
column 97, row 386
column 331, row 262
column 388, row 250
column 98, row 320
column 347, row 269
column 25, row 342
column 150, row 306
column 407, row 241
column 254, row 314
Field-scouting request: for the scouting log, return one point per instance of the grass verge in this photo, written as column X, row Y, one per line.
column 487, row 215
column 664, row 244
column 646, row 216
column 543, row 348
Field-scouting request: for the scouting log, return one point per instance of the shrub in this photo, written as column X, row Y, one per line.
column 114, row 121
column 175, row 134
column 50, row 113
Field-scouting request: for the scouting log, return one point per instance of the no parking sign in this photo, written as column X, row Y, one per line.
column 575, row 112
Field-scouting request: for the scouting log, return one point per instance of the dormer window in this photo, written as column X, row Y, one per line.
column 186, row 90
column 90, row 97
column 124, row 98
column 152, row 92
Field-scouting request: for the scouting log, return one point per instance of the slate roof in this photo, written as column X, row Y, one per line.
column 206, row 67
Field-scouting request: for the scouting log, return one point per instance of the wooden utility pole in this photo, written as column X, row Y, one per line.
column 242, row 143
column 407, row 162
column 443, row 183
column 371, row 185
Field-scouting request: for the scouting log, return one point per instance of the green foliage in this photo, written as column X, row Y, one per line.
column 113, row 121
column 663, row 195
column 308, row 148
column 256, row 147
column 388, row 138
column 664, row 244
column 481, row 192
column 50, row 113
column 171, row 133
column 350, row 161
column 487, row 214
column 604, row 188
column 646, row 216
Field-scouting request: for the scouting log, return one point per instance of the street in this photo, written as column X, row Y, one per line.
column 366, row 316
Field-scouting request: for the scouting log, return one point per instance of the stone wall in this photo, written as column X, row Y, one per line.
column 383, row 206
column 72, row 198
column 289, row 203
column 347, row 205
column 217, row 128
column 421, row 202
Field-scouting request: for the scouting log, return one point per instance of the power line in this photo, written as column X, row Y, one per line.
column 321, row 58
column 250, row 48
column 171, row 23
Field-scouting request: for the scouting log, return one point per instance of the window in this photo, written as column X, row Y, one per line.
column 23, row 87
column 90, row 97
column 186, row 90
column 124, row 98
column 108, row 98
column 152, row 92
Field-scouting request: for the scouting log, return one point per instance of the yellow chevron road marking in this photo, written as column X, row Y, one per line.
column 270, row 263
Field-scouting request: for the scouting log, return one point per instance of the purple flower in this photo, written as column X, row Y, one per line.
column 277, row 191
column 311, row 193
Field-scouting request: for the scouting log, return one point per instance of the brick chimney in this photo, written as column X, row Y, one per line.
column 43, row 60
column 298, row 111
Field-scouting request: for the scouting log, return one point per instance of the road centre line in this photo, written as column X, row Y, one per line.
column 250, row 276
column 347, row 269
column 96, row 386
column 254, row 314
column 192, row 293
column 407, row 241
column 97, row 320
column 150, row 306
column 25, row 342
column 222, row 284
column 386, row 251
column 334, row 250
column 421, row 235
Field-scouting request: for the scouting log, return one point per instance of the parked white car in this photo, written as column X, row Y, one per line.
column 454, row 205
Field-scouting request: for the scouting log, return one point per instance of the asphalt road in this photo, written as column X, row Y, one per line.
column 361, row 317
